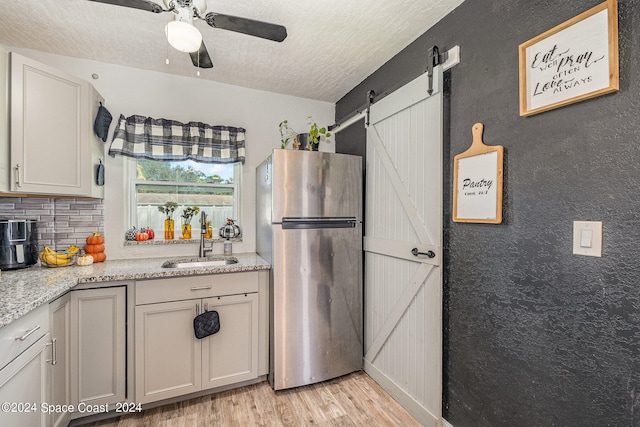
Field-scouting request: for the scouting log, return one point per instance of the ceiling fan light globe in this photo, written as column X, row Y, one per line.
column 183, row 36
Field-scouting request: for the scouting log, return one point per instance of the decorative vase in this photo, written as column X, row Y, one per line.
column 186, row 231
column 209, row 233
column 303, row 140
column 168, row 229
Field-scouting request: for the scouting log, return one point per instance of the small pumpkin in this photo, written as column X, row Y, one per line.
column 149, row 232
column 142, row 236
column 95, row 239
column 85, row 260
column 99, row 256
column 230, row 230
column 130, row 234
column 91, row 249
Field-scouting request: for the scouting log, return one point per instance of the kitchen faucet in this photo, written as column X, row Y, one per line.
column 202, row 252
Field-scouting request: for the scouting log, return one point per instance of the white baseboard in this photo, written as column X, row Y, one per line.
column 446, row 423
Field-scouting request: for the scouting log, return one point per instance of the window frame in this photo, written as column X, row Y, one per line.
column 133, row 199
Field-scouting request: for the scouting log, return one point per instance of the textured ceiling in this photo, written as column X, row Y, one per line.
column 332, row 45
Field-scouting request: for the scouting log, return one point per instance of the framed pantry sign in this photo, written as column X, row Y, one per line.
column 477, row 177
column 574, row 61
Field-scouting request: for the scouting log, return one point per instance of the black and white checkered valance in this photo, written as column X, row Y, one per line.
column 163, row 139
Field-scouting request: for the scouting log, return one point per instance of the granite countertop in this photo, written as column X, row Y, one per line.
column 21, row 291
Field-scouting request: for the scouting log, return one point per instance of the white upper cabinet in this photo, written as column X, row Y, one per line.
column 51, row 141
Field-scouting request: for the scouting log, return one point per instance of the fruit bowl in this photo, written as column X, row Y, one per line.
column 50, row 258
column 70, row 261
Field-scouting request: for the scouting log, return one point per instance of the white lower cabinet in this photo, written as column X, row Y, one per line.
column 88, row 352
column 73, row 352
column 24, row 386
column 230, row 356
column 60, row 322
column 167, row 356
column 98, row 346
column 169, row 360
column 25, row 367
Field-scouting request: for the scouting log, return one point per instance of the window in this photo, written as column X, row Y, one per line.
column 214, row 188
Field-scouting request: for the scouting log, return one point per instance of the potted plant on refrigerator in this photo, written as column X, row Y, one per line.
column 302, row 141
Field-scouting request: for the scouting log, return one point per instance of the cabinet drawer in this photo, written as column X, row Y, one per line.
column 18, row 335
column 183, row 288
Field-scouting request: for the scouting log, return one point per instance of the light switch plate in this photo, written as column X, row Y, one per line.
column 581, row 232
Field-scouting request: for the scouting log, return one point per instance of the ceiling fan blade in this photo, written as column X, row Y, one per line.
column 134, row 4
column 200, row 58
column 265, row 30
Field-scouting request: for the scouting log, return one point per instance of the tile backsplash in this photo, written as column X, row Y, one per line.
column 61, row 221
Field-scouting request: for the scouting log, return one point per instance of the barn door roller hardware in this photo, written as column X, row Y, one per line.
column 446, row 59
column 434, row 59
column 335, row 128
column 371, row 95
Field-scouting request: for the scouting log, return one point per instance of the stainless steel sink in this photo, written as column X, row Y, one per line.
column 199, row 262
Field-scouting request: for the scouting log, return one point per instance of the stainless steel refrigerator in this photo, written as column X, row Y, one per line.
column 309, row 227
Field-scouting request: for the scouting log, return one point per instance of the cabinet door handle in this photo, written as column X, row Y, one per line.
column 206, row 307
column 18, row 175
column 29, row 332
column 197, row 309
column 54, row 352
column 200, row 288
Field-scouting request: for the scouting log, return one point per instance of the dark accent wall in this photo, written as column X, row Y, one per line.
column 534, row 335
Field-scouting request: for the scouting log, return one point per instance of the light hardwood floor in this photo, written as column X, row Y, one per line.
column 352, row 400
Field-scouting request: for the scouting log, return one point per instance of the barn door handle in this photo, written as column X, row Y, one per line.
column 430, row 254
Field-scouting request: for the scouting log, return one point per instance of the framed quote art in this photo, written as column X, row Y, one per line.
column 477, row 178
column 574, row 61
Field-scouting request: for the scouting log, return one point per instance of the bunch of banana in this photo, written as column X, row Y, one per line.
column 58, row 259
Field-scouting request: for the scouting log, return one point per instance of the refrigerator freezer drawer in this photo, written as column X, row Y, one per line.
column 316, row 305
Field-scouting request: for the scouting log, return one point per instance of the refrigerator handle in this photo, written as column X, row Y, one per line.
column 311, row 223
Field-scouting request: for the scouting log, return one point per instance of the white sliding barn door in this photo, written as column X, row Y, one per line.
column 403, row 292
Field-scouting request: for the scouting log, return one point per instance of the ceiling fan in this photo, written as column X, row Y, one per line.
column 184, row 36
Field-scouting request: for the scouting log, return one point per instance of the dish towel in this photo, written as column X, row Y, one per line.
column 102, row 123
column 205, row 324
